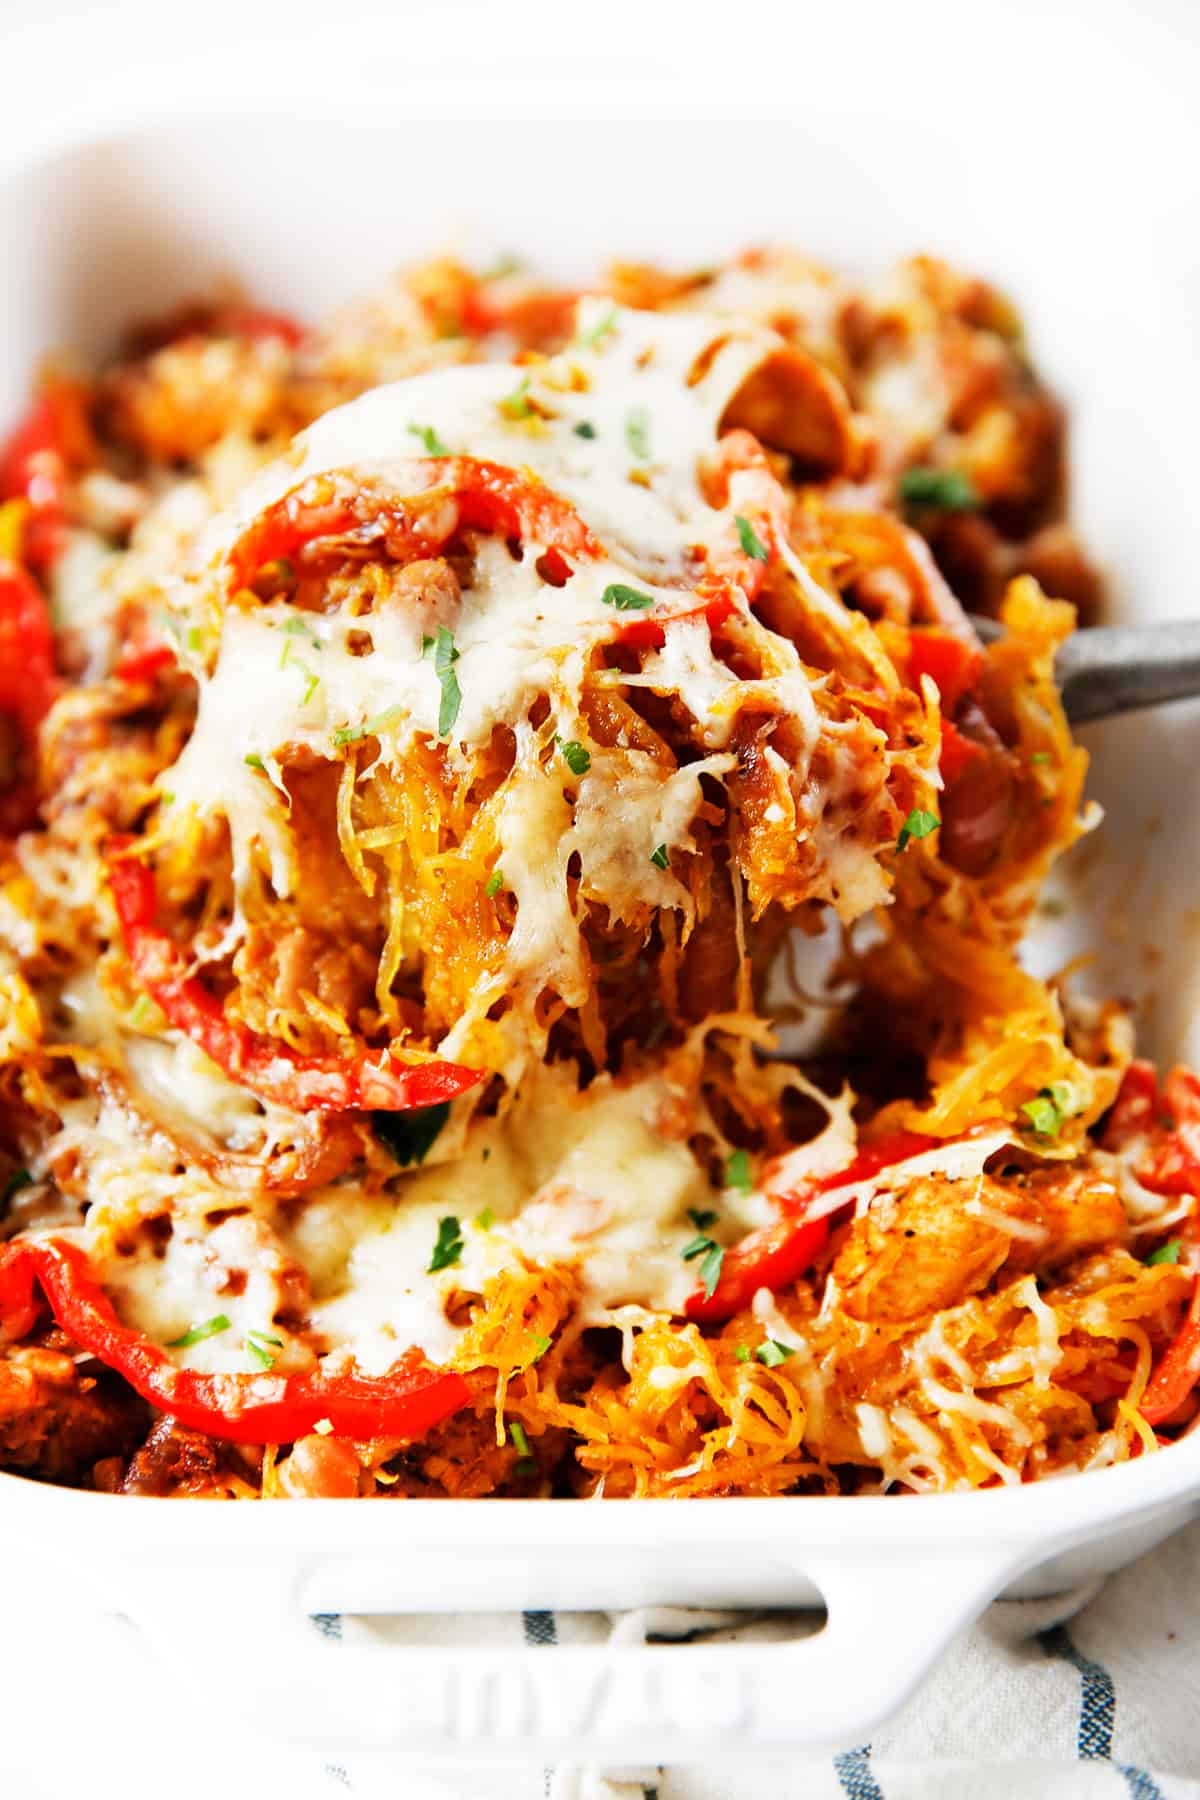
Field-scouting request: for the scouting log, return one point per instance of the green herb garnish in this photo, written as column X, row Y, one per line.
column 710, row 1267
column 577, row 759
column 1040, row 756
column 449, row 1246
column 1051, row 1108
column 495, row 882
column 444, row 658
column 751, row 543
column 196, row 1334
column 737, row 1172
column 255, row 1344
column 410, row 1135
column 255, row 762
column 661, row 858
column 1166, row 1253
column 918, row 824
column 541, row 1345
column 637, row 431
column 429, row 437
column 485, row 1219
column 350, row 734
column 517, row 405
column 604, row 327
column 20, row 1178
column 772, row 1353
column 585, row 429
column 299, row 628
column 702, row 1217
column 625, row 599
column 949, row 489
column 741, row 1353
column 524, row 1464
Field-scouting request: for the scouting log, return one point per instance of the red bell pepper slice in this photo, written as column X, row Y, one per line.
column 470, row 494
column 29, row 684
column 406, row 1402
column 952, row 663
column 1168, row 1121
column 142, row 658
column 35, row 465
column 1178, row 1369
column 778, row 1254
column 371, row 1080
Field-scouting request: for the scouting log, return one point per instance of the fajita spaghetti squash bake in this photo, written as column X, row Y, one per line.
column 446, row 758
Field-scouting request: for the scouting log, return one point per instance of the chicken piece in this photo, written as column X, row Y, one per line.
column 921, row 1251
column 56, row 1421
column 173, row 1461
column 941, row 1241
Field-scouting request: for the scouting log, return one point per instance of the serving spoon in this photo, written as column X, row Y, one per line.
column 1107, row 669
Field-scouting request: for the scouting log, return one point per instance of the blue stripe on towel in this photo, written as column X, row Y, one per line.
column 540, row 1628
column 1097, row 1712
column 1097, row 1696
column 328, row 1624
column 853, row 1769
column 1141, row 1786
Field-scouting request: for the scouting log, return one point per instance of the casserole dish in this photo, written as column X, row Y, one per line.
column 137, row 223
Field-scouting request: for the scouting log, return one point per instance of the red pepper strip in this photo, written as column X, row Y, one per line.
column 253, row 1408
column 484, row 496
column 372, row 1080
column 957, row 753
column 35, row 463
column 142, row 658
column 952, row 663
column 28, row 684
column 1178, row 1368
column 1168, row 1121
column 777, row 1254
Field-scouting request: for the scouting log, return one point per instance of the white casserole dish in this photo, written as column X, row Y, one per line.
column 123, row 226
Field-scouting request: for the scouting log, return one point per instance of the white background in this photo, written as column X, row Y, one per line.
column 1093, row 105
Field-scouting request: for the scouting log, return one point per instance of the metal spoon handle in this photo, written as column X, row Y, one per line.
column 1108, row 669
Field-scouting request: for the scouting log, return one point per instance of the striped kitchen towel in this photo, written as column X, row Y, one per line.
column 1094, row 1695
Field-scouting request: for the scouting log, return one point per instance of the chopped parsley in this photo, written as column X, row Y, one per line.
column 751, row 543
column 737, row 1172
column 1050, row 1109
column 196, row 1334
column 429, row 437
column 485, row 1219
column 20, row 1178
column 449, row 1246
column 495, row 882
column 255, row 762
column 517, row 404
column 298, row 628
column 918, row 824
column 293, row 628
column 410, row 1135
column 637, row 431
column 540, row 1347
column 604, row 327
column 577, row 759
column 1166, row 1253
column 255, row 1344
column 661, row 858
column 444, row 658
column 505, row 264
column 710, row 1268
column 950, row 489
column 524, row 1464
column 625, row 599
column 741, row 1353
column 702, row 1217
column 350, row 734
column 585, row 429
column 772, row 1353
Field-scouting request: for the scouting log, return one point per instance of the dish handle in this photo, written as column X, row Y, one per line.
column 889, row 1618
